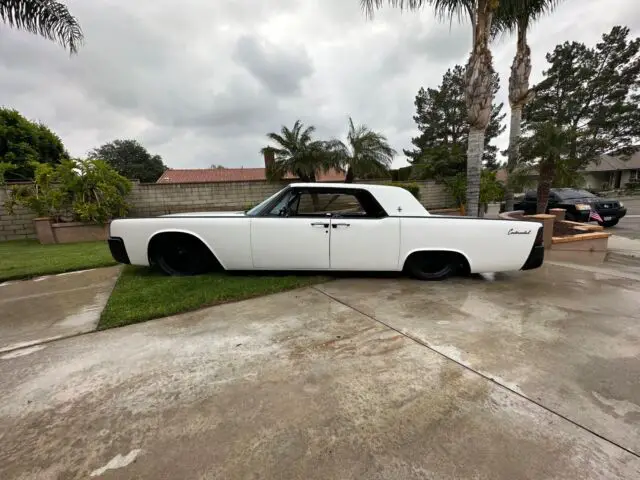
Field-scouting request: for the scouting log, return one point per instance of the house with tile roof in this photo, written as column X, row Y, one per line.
column 228, row 175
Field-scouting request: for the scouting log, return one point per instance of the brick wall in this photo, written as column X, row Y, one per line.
column 160, row 199
column 18, row 226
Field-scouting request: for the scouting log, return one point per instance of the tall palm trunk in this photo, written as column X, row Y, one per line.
column 547, row 168
column 518, row 97
column 350, row 175
column 479, row 96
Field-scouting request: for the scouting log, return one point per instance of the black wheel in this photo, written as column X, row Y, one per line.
column 610, row 223
column 432, row 265
column 182, row 255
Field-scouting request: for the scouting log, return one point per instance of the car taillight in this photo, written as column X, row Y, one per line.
column 539, row 237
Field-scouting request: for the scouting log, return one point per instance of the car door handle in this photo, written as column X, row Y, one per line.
column 336, row 225
column 319, row 224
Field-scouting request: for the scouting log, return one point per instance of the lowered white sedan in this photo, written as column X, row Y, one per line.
column 329, row 227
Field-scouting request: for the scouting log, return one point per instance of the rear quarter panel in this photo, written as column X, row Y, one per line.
column 487, row 244
column 227, row 237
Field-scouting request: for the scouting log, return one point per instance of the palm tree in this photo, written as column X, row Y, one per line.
column 366, row 152
column 296, row 152
column 518, row 16
column 47, row 18
column 479, row 75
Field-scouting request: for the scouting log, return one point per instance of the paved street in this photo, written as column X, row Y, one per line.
column 629, row 226
column 532, row 375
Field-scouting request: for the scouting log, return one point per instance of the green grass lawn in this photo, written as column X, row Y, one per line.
column 142, row 294
column 27, row 258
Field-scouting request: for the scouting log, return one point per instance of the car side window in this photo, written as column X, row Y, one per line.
column 312, row 204
column 285, row 206
column 323, row 202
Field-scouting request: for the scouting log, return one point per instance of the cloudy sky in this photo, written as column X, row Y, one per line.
column 202, row 84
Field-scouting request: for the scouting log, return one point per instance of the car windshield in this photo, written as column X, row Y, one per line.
column 570, row 193
column 254, row 211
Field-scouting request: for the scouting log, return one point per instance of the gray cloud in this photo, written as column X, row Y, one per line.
column 203, row 84
column 281, row 71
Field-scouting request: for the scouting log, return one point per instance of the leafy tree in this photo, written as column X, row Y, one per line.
column 47, row 18
column 365, row 153
column 441, row 114
column 518, row 16
column 478, row 75
column 298, row 153
column 131, row 160
column 23, row 142
column 587, row 105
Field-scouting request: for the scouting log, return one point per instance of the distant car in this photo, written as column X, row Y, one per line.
column 577, row 203
column 330, row 227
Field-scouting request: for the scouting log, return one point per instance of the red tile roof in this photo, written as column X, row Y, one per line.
column 222, row 175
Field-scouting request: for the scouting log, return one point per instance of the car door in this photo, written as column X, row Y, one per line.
column 530, row 202
column 362, row 236
column 281, row 240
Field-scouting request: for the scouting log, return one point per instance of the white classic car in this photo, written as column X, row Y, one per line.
column 329, row 227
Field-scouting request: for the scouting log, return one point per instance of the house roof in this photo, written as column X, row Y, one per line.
column 610, row 163
column 223, row 175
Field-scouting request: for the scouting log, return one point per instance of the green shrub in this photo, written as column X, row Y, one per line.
column 412, row 188
column 78, row 190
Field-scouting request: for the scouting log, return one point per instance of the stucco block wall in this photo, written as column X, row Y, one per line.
column 161, row 199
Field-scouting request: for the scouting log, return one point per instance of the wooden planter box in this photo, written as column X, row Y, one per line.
column 69, row 232
column 587, row 248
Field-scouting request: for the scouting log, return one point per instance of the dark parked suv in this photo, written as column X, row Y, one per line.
column 577, row 203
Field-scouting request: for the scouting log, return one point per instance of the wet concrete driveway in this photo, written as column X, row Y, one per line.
column 53, row 306
column 358, row 378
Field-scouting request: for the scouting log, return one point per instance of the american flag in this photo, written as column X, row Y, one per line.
column 593, row 214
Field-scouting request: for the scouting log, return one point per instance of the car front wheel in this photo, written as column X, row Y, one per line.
column 432, row 265
column 182, row 255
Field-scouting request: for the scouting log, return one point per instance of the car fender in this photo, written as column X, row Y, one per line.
column 188, row 232
column 428, row 249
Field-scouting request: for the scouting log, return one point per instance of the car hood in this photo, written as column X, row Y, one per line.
column 205, row 214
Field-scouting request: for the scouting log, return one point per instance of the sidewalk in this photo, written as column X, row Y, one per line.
column 623, row 246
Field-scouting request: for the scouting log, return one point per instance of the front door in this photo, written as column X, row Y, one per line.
column 280, row 240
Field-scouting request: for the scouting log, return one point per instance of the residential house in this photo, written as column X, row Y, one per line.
column 612, row 172
column 226, row 175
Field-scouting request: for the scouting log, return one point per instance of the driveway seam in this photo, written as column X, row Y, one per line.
column 486, row 377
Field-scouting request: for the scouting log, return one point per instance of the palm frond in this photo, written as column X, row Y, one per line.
column 370, row 6
column 511, row 13
column 47, row 18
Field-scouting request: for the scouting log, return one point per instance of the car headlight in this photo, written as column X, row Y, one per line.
column 583, row 206
column 621, row 204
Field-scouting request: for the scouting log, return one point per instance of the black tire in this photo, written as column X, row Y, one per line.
column 610, row 223
column 432, row 265
column 180, row 254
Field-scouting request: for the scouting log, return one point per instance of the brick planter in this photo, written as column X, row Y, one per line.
column 68, row 232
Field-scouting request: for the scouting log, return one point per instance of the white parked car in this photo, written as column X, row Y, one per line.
column 329, row 227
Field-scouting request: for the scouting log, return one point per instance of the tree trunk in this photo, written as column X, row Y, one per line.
column 349, row 178
column 518, row 96
column 514, row 154
column 474, row 168
column 478, row 99
column 547, row 168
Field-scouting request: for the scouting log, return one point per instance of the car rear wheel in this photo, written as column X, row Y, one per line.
column 180, row 254
column 432, row 265
column 610, row 223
